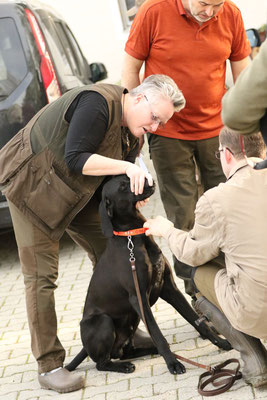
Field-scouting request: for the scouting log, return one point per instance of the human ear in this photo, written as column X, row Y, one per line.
column 228, row 155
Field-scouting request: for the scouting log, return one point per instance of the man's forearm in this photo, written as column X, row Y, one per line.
column 130, row 72
column 130, row 80
column 238, row 66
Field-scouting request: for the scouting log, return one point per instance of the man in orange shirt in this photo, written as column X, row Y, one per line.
column 189, row 40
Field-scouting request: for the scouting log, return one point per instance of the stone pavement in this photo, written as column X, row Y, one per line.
column 151, row 379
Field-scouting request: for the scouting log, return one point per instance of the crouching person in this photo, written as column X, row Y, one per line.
column 228, row 245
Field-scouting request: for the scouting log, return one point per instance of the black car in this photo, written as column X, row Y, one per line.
column 40, row 60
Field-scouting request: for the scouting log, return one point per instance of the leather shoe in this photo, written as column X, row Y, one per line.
column 61, row 381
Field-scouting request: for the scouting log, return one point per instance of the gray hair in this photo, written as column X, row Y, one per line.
column 158, row 85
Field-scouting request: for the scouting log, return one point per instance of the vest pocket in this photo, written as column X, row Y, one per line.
column 52, row 200
column 14, row 155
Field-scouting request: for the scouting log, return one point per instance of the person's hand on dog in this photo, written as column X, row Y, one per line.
column 137, row 178
column 158, row 226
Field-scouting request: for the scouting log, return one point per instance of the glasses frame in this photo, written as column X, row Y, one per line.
column 155, row 119
column 217, row 153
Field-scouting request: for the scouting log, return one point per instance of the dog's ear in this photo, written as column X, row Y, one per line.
column 106, row 212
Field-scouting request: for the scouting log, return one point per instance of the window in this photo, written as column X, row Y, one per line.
column 68, row 50
column 13, row 67
column 59, row 54
column 80, row 61
column 124, row 6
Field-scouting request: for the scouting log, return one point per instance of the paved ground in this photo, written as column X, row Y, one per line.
column 151, row 379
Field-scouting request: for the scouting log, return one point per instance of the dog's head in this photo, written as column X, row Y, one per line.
column 118, row 202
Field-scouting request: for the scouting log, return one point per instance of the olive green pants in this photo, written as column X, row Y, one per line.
column 175, row 162
column 39, row 262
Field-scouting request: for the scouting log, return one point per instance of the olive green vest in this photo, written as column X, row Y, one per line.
column 33, row 173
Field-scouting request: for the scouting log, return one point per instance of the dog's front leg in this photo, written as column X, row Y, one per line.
column 174, row 366
column 173, row 296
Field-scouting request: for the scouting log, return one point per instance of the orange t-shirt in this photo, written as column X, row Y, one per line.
column 173, row 43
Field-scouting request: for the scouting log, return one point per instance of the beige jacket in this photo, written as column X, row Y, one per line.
column 232, row 217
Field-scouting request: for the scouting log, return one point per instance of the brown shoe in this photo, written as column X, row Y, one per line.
column 61, row 381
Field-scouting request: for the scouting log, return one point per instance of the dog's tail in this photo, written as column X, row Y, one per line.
column 77, row 360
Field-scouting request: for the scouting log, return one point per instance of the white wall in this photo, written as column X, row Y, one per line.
column 254, row 12
column 98, row 27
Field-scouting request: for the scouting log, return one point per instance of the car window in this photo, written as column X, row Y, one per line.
column 66, row 44
column 59, row 54
column 13, row 67
column 77, row 52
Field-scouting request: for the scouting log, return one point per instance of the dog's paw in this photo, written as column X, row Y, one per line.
column 122, row 367
column 126, row 367
column 175, row 367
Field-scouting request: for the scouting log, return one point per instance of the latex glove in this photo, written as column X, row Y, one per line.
column 137, row 178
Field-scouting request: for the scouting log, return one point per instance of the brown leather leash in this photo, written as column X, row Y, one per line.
column 215, row 373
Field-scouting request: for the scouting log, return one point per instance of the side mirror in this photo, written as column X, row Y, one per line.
column 98, row 72
column 253, row 37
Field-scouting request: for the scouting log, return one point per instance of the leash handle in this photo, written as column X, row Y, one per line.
column 217, row 372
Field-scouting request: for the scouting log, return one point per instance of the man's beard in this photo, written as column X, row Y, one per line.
column 196, row 16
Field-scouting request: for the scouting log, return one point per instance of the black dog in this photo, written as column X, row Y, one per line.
column 112, row 313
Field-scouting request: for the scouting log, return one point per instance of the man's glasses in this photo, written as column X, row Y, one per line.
column 154, row 118
column 218, row 152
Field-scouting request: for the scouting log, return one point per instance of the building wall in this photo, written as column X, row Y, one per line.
column 254, row 12
column 98, row 27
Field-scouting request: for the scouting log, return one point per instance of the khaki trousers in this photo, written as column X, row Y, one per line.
column 176, row 163
column 39, row 262
column 204, row 281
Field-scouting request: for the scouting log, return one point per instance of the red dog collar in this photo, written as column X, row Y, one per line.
column 132, row 232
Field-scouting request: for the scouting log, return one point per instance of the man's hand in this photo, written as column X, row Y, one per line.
column 158, row 226
column 137, row 178
column 142, row 203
